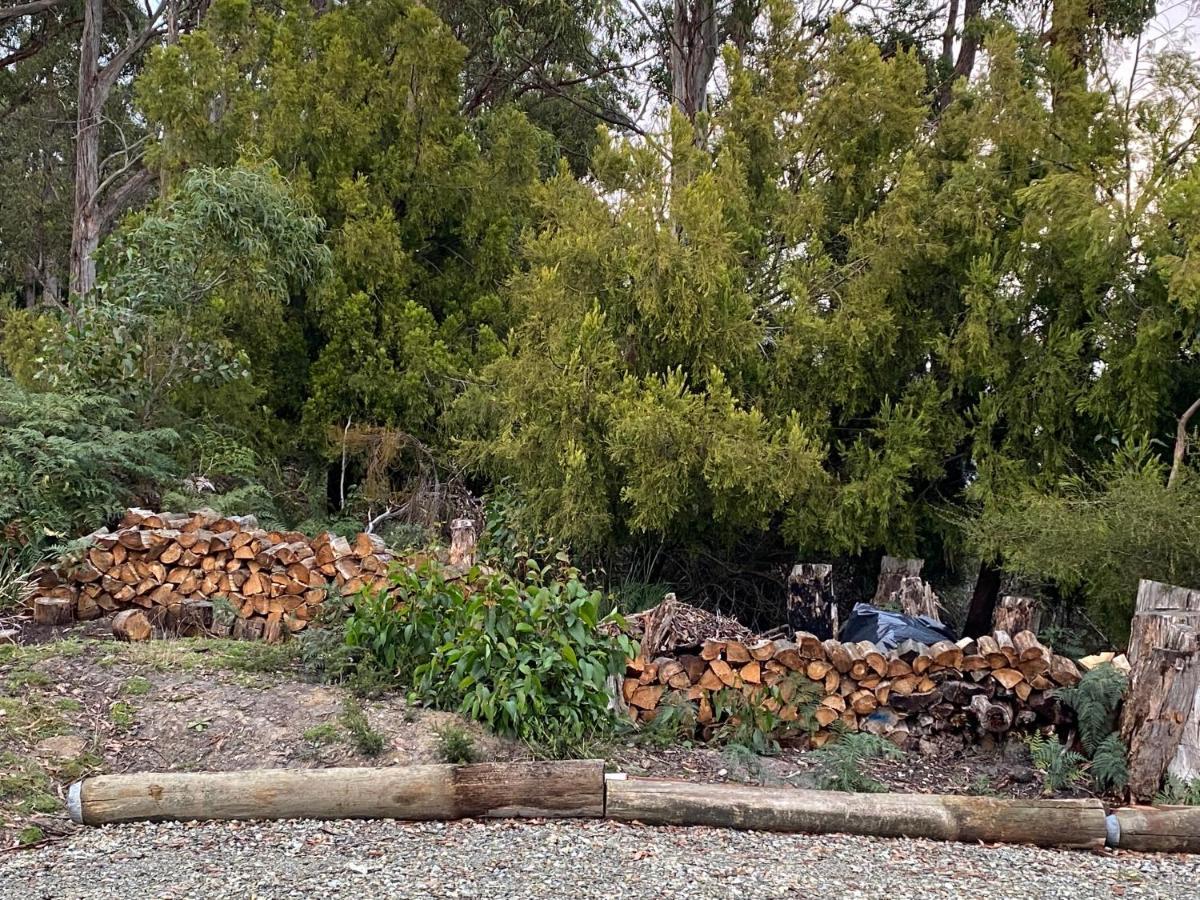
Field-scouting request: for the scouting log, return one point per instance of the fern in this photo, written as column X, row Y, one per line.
column 1176, row 792
column 1061, row 766
column 1095, row 700
column 841, row 762
column 1110, row 768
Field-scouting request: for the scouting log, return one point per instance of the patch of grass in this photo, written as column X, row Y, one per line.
column 325, row 733
column 455, row 745
column 24, row 678
column 68, row 704
column 24, row 786
column 981, row 786
column 136, row 686
column 29, row 719
column 26, row 655
column 121, row 715
column 30, row 834
column 366, row 739
column 192, row 654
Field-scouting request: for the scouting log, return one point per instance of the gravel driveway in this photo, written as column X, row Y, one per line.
column 377, row 859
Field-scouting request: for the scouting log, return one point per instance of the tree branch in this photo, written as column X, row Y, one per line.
column 28, row 9
column 1181, row 442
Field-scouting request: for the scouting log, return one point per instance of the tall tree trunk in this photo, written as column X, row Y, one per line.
column 85, row 226
column 964, row 64
column 693, row 54
column 983, row 601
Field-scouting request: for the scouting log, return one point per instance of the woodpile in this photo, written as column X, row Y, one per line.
column 987, row 686
column 172, row 572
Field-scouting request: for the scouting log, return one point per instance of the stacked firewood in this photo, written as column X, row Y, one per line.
column 990, row 685
column 179, row 570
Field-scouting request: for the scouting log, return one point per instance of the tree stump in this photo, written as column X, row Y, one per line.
column 1017, row 614
column 462, row 543
column 132, row 625
column 53, row 611
column 917, row 598
column 892, row 572
column 811, row 605
column 1160, row 720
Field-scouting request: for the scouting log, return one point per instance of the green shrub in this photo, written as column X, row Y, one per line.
column 455, row 745
column 366, row 739
column 1061, row 766
column 16, row 566
column 1110, row 764
column 841, row 762
column 753, row 723
column 70, row 461
column 527, row 659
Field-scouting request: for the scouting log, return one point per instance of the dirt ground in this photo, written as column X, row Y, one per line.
column 75, row 702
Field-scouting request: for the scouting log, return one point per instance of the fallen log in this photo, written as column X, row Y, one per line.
column 1148, row 829
column 1076, row 824
column 569, row 789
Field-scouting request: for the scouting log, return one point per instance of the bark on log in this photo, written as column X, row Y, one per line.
column 486, row 790
column 1160, row 719
column 1147, row 829
column 1048, row 823
column 810, row 604
column 52, row 611
column 462, row 543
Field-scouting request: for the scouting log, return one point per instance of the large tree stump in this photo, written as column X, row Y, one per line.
column 1017, row 614
column 811, row 605
column 1160, row 721
column 892, row 572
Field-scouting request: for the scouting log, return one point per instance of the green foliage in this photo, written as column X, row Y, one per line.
column 753, row 723
column 525, row 658
column 1110, row 764
column 1178, row 793
column 673, row 724
column 1061, row 767
column 1101, row 533
column 455, row 745
column 1095, row 700
column 68, row 462
column 841, row 762
column 366, row 740
column 325, row 733
column 16, row 566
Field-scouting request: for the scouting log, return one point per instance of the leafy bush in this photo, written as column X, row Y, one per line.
column 1095, row 700
column 1061, row 766
column 1100, row 533
column 70, row 461
column 526, row 659
column 16, row 564
column 754, row 723
column 455, row 745
column 841, row 762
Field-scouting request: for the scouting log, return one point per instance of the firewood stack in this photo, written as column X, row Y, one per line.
column 986, row 686
column 175, row 567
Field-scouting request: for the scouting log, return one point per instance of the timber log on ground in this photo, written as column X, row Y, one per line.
column 580, row 789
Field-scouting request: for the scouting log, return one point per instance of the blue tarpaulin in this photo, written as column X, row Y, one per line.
column 891, row 629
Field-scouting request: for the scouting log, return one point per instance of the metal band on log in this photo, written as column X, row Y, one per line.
column 1050, row 823
column 572, row 789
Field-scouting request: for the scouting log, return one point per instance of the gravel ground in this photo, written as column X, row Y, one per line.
column 377, row 859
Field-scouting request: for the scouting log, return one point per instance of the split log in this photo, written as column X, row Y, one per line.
column 1050, row 823
column 810, row 602
column 993, row 716
column 132, row 625
column 916, row 598
column 485, row 790
column 1160, row 719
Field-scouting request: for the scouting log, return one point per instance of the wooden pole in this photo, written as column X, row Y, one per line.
column 1147, row 829
column 485, row 790
column 1050, row 823
column 1160, row 719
